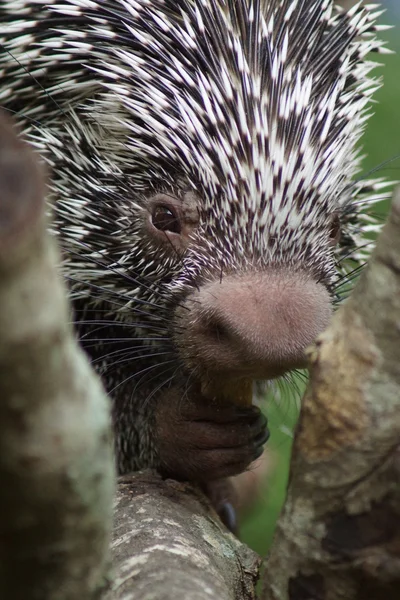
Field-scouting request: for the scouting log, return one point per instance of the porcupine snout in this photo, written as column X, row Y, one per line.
column 256, row 324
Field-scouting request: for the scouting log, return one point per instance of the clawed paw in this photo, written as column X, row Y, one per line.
column 200, row 440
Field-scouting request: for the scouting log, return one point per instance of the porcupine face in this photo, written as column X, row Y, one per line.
column 201, row 154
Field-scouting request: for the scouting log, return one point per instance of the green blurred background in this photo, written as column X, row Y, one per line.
column 381, row 143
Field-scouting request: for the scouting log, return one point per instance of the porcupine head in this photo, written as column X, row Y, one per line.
column 202, row 158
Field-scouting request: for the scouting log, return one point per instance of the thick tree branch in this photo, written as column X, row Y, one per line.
column 56, row 465
column 169, row 545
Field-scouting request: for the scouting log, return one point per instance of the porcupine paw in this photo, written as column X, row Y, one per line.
column 201, row 441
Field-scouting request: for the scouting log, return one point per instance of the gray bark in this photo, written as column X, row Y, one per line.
column 56, row 464
column 169, row 544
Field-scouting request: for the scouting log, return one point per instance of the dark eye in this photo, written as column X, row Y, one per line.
column 164, row 218
column 334, row 234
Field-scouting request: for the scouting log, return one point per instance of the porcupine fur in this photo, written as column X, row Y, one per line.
column 251, row 108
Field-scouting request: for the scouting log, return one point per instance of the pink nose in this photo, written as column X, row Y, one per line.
column 254, row 324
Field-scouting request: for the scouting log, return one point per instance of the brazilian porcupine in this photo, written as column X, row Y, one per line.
column 202, row 157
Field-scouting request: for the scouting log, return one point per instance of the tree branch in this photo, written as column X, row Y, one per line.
column 56, row 465
column 169, row 544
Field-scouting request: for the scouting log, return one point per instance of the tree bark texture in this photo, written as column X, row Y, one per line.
column 339, row 533
column 168, row 544
column 56, row 462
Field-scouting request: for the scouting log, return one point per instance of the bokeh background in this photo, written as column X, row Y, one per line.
column 381, row 143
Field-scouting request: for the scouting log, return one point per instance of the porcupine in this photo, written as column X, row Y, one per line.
column 202, row 156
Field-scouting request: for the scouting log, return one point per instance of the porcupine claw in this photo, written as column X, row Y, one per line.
column 203, row 440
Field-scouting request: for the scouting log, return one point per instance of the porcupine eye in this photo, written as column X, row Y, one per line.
column 334, row 234
column 165, row 218
column 171, row 220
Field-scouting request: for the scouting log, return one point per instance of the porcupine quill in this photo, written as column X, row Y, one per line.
column 203, row 161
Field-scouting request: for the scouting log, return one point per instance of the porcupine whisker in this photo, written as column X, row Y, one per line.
column 359, row 206
column 164, row 383
column 159, row 387
column 377, row 168
column 15, row 112
column 123, row 353
column 126, row 350
column 373, row 199
column 146, row 324
column 112, row 302
column 284, row 401
column 192, row 375
column 185, row 392
column 128, row 326
column 157, row 376
column 126, row 344
column 376, row 199
column 350, row 275
column 378, row 217
column 126, row 297
column 131, row 355
column 136, row 282
column 344, row 289
column 99, row 322
column 344, row 265
column 347, row 257
column 300, row 374
column 120, row 324
column 104, row 344
column 279, row 398
column 286, row 382
column 99, row 308
column 142, row 371
column 145, row 379
column 15, row 59
column 108, row 341
column 132, row 342
column 123, row 274
column 298, row 382
column 159, row 325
